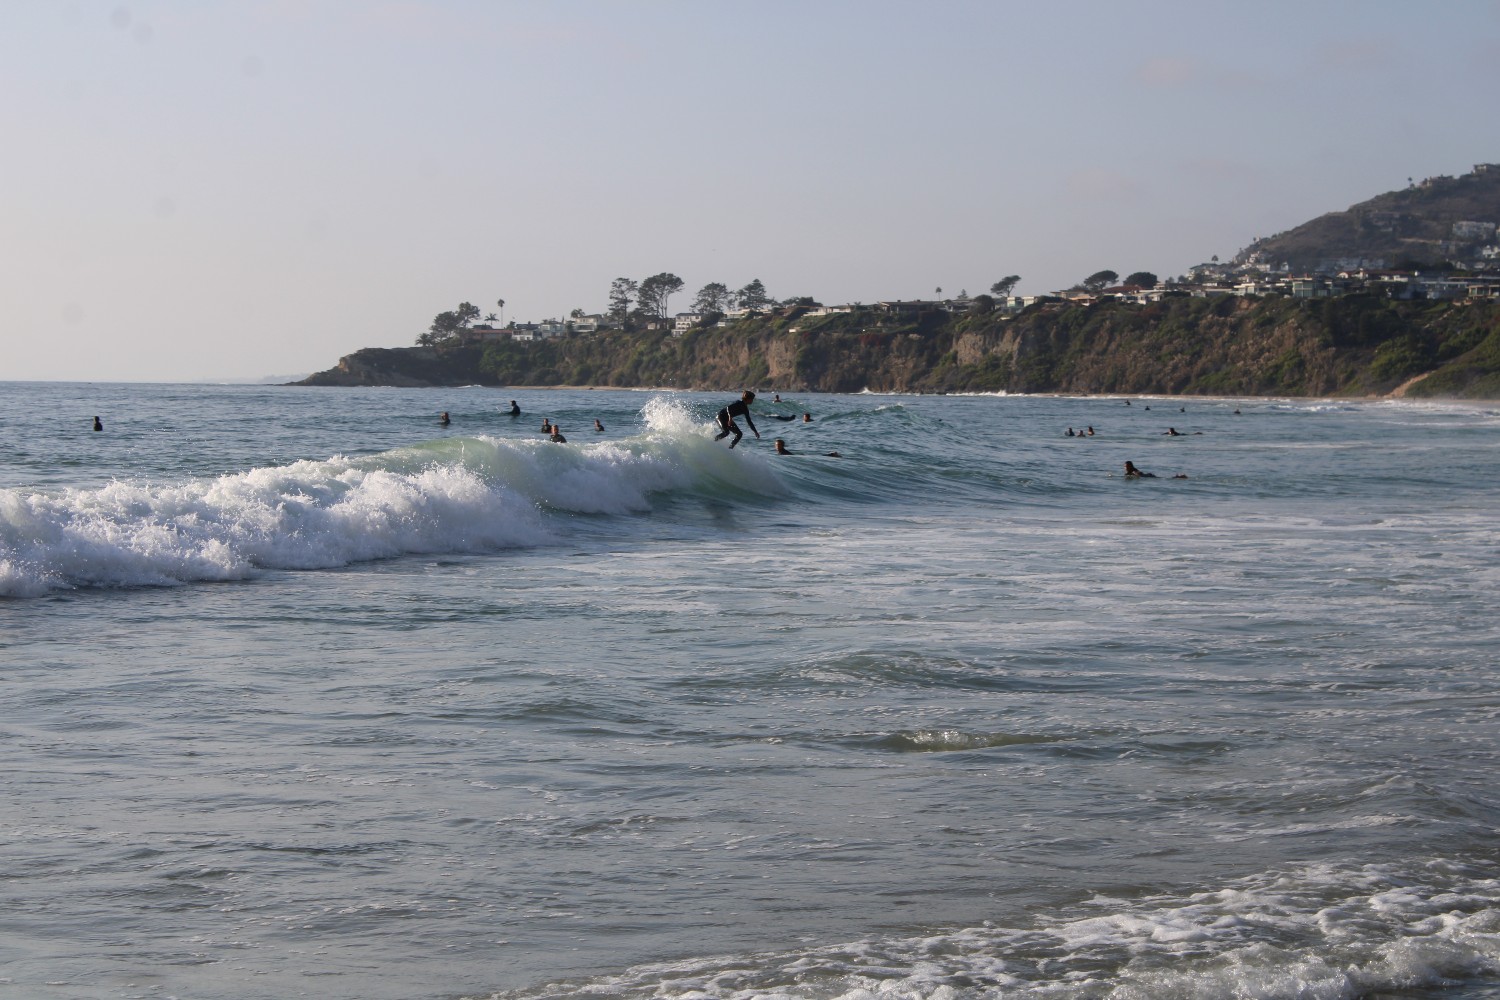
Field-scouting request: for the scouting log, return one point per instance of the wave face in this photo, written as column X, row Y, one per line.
column 456, row 495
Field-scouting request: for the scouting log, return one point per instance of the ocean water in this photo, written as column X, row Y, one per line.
column 304, row 695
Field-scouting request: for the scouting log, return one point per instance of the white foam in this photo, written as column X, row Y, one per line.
column 1315, row 933
column 453, row 495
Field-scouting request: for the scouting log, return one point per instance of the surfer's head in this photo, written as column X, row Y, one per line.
column 748, row 396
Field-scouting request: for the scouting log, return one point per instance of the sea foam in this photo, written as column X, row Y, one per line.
column 476, row 494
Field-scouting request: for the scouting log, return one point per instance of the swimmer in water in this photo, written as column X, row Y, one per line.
column 97, row 425
column 739, row 408
column 782, row 449
column 443, row 419
column 1131, row 472
column 546, row 425
column 557, row 435
column 515, row 410
column 597, row 425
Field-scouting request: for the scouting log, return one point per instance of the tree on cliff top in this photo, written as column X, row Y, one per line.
column 712, row 298
column 1099, row 279
column 655, row 291
column 446, row 325
column 1002, row 288
column 621, row 292
column 753, row 296
column 1142, row 279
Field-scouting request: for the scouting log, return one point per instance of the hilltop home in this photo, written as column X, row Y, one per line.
column 914, row 306
column 486, row 334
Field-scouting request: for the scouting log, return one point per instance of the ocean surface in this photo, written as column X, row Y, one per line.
column 303, row 694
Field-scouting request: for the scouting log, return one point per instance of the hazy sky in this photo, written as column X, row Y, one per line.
column 239, row 189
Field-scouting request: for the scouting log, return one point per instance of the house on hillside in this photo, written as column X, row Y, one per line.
column 900, row 307
column 485, row 334
column 1134, row 294
column 1473, row 232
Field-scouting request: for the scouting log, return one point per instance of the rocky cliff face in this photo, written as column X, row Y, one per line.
column 1356, row 345
column 404, row 367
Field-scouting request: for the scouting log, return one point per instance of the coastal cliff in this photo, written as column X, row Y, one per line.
column 1354, row 345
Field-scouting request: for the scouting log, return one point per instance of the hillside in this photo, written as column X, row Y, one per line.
column 1415, row 224
column 1356, row 345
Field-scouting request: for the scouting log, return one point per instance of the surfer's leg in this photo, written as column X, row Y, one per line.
column 725, row 423
column 734, row 429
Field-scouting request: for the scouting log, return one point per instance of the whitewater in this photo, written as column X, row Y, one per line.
column 308, row 694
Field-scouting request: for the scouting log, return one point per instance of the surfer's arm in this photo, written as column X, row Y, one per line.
column 750, row 423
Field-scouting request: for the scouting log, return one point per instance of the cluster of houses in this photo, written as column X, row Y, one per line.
column 1207, row 281
column 1478, row 277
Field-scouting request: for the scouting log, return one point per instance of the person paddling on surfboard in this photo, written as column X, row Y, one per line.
column 739, row 408
column 782, row 449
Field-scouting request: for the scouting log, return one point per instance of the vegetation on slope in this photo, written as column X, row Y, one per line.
column 1353, row 345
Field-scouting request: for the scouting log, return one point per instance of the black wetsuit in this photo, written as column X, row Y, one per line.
column 738, row 408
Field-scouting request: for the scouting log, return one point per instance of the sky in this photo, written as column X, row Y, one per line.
column 196, row 191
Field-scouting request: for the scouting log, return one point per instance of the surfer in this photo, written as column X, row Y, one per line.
column 515, row 410
column 1172, row 432
column 739, row 408
column 546, row 425
column 597, row 425
column 557, row 435
column 807, row 418
column 1131, row 472
column 782, row 449
column 97, row 425
column 1091, row 430
column 1070, row 433
column 443, row 419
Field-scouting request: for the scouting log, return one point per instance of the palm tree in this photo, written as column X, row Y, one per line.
column 501, row 304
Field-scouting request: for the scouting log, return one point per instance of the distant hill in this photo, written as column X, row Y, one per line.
column 1421, row 223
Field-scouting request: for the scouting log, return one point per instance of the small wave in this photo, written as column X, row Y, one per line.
column 947, row 740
